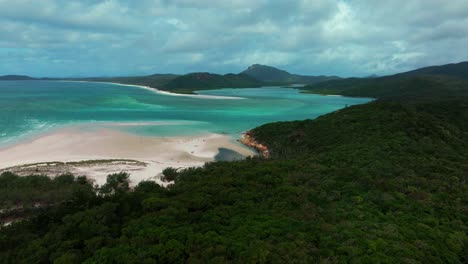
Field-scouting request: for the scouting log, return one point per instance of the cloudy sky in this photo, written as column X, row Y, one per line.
column 129, row 37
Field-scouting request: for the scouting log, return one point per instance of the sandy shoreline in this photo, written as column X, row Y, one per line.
column 144, row 157
column 152, row 154
column 155, row 90
column 201, row 96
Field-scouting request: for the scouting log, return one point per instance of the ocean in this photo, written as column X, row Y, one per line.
column 29, row 108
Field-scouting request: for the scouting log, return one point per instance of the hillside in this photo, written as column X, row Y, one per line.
column 398, row 87
column 203, row 80
column 459, row 70
column 16, row 78
column 426, row 83
column 403, row 127
column 273, row 75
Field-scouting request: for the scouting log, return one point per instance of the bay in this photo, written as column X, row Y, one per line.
column 28, row 108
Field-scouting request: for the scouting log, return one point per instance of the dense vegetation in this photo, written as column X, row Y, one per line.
column 390, row 126
column 459, row 70
column 203, row 80
column 20, row 196
column 187, row 83
column 396, row 88
column 273, row 75
column 383, row 182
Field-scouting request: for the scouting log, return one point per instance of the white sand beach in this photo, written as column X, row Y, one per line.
column 152, row 154
column 158, row 91
column 200, row 96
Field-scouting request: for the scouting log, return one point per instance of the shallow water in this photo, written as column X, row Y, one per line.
column 31, row 107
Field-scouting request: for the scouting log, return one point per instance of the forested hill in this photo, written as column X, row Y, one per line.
column 187, row 83
column 203, row 80
column 383, row 182
column 360, row 135
column 459, row 70
column 427, row 83
column 270, row 74
column 395, row 88
column 392, row 170
column 255, row 76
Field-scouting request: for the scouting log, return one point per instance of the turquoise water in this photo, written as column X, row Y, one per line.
column 31, row 107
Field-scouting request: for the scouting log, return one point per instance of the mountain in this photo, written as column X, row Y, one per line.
column 16, row 78
column 459, row 70
column 266, row 73
column 273, row 75
column 203, row 80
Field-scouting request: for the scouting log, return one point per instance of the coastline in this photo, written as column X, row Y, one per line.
column 248, row 140
column 158, row 91
column 101, row 151
column 96, row 149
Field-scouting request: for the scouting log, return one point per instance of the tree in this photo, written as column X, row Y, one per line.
column 169, row 174
column 116, row 184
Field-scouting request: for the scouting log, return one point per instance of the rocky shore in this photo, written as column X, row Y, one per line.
column 248, row 140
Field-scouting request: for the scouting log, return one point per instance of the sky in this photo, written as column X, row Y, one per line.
column 65, row 38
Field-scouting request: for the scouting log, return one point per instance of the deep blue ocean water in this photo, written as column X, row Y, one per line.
column 31, row 107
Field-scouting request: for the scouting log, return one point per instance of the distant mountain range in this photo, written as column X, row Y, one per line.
column 15, row 78
column 261, row 75
column 270, row 74
column 255, row 76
